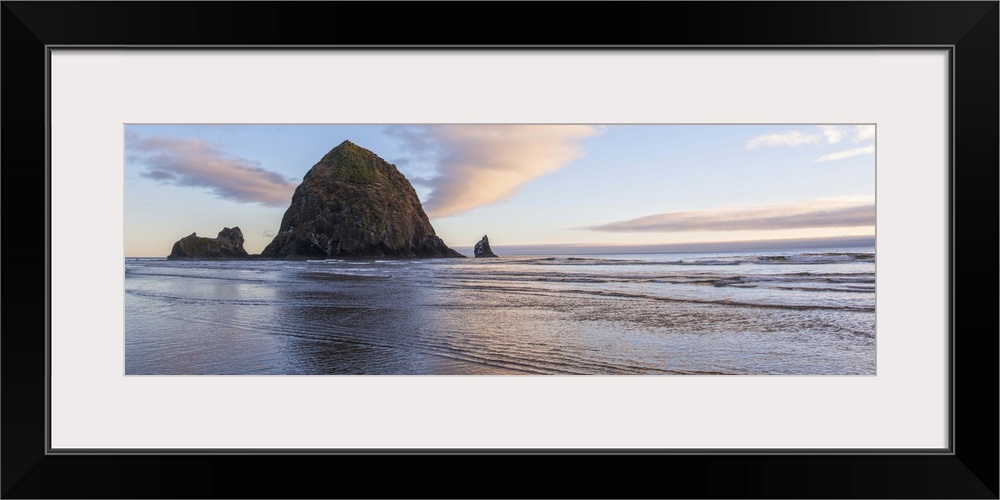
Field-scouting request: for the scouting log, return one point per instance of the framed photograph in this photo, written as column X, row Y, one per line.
column 725, row 255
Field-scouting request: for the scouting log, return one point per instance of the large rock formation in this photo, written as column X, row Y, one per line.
column 355, row 204
column 228, row 245
column 483, row 248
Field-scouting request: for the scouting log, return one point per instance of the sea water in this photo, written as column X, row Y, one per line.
column 809, row 311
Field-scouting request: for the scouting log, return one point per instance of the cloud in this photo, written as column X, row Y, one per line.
column 159, row 175
column 195, row 163
column 789, row 138
column 833, row 133
column 863, row 132
column 483, row 164
column 851, row 211
column 848, row 153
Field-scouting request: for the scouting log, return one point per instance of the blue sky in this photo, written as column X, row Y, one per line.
column 521, row 184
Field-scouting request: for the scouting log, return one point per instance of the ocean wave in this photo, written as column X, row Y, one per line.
column 736, row 260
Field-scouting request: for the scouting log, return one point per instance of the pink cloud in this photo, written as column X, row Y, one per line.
column 483, row 164
column 195, row 163
column 852, row 211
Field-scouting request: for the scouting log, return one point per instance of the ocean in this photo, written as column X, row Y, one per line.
column 795, row 312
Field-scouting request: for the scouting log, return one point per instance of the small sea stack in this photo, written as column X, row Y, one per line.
column 483, row 248
column 227, row 245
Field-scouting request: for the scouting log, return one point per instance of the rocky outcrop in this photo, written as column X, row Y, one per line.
column 227, row 245
column 355, row 204
column 483, row 248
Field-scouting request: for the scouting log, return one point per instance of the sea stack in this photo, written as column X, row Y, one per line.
column 228, row 245
column 483, row 248
column 353, row 204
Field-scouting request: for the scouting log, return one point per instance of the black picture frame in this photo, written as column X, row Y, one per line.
column 968, row 470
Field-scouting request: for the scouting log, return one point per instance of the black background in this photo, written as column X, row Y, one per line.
column 971, row 472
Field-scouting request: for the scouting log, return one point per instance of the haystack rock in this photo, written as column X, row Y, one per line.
column 228, row 245
column 483, row 248
column 355, row 204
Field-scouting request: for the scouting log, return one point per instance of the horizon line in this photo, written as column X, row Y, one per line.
column 770, row 244
column 585, row 248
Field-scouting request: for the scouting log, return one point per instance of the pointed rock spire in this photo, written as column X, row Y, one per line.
column 483, row 248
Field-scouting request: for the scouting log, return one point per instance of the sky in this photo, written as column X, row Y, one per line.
column 529, row 186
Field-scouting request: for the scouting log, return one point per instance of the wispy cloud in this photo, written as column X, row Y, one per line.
column 850, row 211
column 789, row 138
column 828, row 134
column 848, row 153
column 482, row 164
column 823, row 134
column 193, row 162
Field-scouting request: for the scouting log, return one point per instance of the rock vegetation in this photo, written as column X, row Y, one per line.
column 355, row 204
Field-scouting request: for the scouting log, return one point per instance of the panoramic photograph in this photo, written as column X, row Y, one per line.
column 475, row 249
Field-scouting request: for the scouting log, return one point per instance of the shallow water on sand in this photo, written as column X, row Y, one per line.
column 774, row 312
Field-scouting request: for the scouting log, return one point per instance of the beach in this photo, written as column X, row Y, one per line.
column 793, row 312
